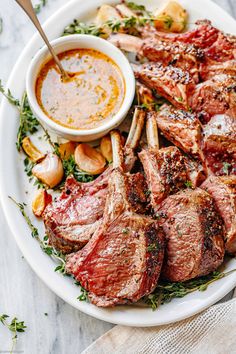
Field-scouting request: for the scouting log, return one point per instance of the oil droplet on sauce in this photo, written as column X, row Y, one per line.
column 92, row 96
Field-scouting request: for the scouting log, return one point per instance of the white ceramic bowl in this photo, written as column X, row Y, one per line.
column 73, row 42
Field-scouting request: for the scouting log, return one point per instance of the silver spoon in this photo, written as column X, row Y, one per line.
column 28, row 8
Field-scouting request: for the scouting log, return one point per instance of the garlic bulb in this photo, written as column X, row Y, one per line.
column 106, row 148
column 89, row 159
column 49, row 171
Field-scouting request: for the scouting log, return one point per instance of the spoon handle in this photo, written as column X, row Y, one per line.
column 28, row 8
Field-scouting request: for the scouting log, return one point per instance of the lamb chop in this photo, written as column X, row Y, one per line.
column 202, row 36
column 219, row 143
column 216, row 45
column 73, row 217
column 209, row 71
column 185, row 56
column 172, row 83
column 214, row 96
column 182, row 128
column 223, row 191
column 122, row 261
column 164, row 168
column 194, row 234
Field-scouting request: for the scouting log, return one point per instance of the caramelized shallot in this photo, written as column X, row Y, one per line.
column 67, row 149
column 89, row 159
column 31, row 150
column 41, row 200
column 106, row 148
column 49, row 171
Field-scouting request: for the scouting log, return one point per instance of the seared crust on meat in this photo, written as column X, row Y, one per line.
column 170, row 82
column 194, row 234
column 219, row 143
column 215, row 96
column 165, row 171
column 122, row 261
column 223, row 191
column 182, row 128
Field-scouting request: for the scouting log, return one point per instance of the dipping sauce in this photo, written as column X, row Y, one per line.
column 93, row 95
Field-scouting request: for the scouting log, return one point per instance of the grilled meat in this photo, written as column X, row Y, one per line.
column 202, row 36
column 209, row 71
column 219, row 143
column 214, row 96
column 196, row 172
column 181, row 55
column 216, row 45
column 165, row 169
column 73, row 217
column 194, row 235
column 223, row 191
column 182, row 128
column 172, row 83
column 122, row 261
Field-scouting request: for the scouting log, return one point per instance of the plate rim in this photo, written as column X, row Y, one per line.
column 9, row 210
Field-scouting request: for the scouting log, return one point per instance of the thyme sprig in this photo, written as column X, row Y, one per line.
column 125, row 24
column 167, row 291
column 14, row 326
column 38, row 7
column 49, row 250
column 28, row 122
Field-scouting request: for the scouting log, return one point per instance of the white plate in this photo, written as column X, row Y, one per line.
column 14, row 183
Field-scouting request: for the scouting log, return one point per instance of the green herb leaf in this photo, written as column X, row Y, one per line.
column 226, row 167
column 38, row 7
column 188, row 184
column 84, row 295
column 14, row 326
column 167, row 291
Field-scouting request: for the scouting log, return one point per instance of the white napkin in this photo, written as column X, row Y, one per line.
column 212, row 332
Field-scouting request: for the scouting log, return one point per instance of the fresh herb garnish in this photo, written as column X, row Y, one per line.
column 14, row 326
column 84, row 295
column 49, row 250
column 38, row 7
column 125, row 24
column 125, row 230
column 152, row 247
column 226, row 167
column 167, row 291
column 77, row 27
column 134, row 6
column 188, row 184
column 70, row 168
column 28, row 122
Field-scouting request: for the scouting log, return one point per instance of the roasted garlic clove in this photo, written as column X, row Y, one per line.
column 49, row 171
column 171, row 18
column 106, row 148
column 89, row 159
column 67, row 149
column 30, row 149
column 41, row 200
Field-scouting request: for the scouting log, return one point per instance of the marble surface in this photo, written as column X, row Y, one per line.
column 53, row 327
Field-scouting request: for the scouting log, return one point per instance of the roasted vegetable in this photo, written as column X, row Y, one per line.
column 89, row 159
column 106, row 148
column 31, row 150
column 41, row 200
column 49, row 171
column 171, row 18
column 107, row 13
column 66, row 149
